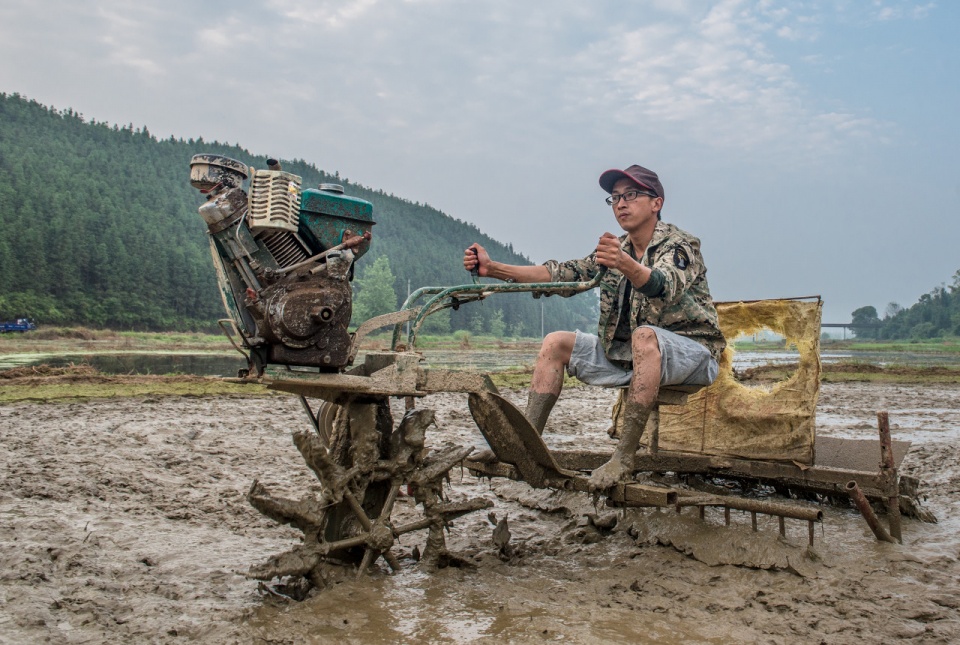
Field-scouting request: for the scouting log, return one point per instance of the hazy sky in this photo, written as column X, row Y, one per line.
column 812, row 146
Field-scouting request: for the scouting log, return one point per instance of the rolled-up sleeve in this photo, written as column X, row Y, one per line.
column 581, row 270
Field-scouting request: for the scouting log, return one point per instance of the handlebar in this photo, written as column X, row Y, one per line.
column 450, row 297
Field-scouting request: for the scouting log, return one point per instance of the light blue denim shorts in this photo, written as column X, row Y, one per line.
column 683, row 362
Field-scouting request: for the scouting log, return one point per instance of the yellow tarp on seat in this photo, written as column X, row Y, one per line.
column 731, row 419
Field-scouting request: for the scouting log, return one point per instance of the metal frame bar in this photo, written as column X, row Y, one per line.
column 447, row 297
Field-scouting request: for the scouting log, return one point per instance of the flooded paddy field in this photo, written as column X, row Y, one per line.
column 125, row 520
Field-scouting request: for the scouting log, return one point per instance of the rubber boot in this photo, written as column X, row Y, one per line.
column 635, row 416
column 538, row 409
column 620, row 467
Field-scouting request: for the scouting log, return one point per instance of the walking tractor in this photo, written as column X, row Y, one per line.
column 284, row 257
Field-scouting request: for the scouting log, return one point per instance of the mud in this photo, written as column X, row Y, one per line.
column 126, row 521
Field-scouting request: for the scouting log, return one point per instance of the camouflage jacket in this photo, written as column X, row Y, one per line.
column 683, row 306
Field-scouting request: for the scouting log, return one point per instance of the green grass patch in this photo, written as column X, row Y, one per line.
column 852, row 377
column 54, row 340
column 850, row 372
column 520, row 379
column 82, row 382
column 58, row 393
column 746, row 345
column 932, row 346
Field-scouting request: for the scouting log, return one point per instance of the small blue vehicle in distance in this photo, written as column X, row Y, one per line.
column 20, row 324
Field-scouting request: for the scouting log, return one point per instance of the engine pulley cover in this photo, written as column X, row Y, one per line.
column 309, row 319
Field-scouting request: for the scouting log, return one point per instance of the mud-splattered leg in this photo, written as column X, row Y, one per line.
column 538, row 409
column 547, row 381
column 641, row 398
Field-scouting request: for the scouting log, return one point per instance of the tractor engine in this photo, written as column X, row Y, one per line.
column 284, row 257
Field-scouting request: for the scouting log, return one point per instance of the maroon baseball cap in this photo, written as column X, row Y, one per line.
column 646, row 179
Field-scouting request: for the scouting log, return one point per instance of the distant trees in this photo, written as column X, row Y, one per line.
column 374, row 291
column 935, row 315
column 867, row 320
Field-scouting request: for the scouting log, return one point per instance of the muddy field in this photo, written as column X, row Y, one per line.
column 125, row 521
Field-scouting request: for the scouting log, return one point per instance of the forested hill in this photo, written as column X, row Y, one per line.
column 99, row 227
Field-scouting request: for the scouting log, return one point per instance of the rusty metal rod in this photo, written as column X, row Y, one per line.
column 888, row 467
column 654, row 444
column 349, row 243
column 417, row 525
column 860, row 501
column 359, row 540
column 346, row 543
column 389, row 557
column 767, row 508
column 314, row 419
column 357, row 509
column 368, row 557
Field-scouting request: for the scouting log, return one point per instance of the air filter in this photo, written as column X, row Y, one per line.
column 274, row 201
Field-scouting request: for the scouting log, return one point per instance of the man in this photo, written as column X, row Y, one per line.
column 658, row 325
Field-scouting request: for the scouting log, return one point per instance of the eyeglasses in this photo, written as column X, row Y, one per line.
column 628, row 196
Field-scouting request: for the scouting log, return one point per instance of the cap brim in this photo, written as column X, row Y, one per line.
column 612, row 176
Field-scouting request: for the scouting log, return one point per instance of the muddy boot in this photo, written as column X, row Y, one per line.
column 635, row 417
column 620, row 467
column 538, row 409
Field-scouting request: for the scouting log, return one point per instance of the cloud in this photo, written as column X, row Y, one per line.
column 885, row 11
column 126, row 37
column 452, row 73
column 333, row 14
column 713, row 78
column 485, row 80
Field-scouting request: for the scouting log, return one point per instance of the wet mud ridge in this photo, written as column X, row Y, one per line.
column 129, row 521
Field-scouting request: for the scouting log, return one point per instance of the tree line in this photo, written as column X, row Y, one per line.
column 99, row 227
column 935, row 315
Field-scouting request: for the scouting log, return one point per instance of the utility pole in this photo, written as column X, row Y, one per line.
column 408, row 298
column 542, row 335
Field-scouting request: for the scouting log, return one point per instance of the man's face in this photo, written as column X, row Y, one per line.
column 634, row 215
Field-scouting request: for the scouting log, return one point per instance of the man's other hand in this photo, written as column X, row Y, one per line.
column 609, row 253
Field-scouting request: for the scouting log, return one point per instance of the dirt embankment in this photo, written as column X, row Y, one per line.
column 847, row 372
column 124, row 520
column 78, row 382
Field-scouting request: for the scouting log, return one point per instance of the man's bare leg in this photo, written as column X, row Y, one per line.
column 546, row 384
column 641, row 398
column 547, row 381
